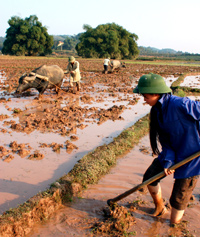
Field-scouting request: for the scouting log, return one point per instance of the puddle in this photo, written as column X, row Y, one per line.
column 191, row 81
column 77, row 218
column 22, row 178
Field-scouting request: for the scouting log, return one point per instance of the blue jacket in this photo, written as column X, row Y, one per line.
column 179, row 121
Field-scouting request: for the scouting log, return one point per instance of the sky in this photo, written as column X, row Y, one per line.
column 157, row 23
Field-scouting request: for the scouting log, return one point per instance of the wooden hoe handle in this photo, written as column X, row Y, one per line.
column 151, row 180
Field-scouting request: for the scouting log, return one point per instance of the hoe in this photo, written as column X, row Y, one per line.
column 110, row 202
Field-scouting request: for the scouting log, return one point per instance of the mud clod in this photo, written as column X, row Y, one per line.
column 70, row 146
column 103, row 97
column 8, row 158
column 117, row 222
column 36, row 156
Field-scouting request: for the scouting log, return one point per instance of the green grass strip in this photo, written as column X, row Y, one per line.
column 168, row 63
column 183, row 91
column 181, row 78
column 88, row 170
column 97, row 163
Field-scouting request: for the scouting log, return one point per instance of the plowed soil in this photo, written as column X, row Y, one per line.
column 82, row 216
column 42, row 139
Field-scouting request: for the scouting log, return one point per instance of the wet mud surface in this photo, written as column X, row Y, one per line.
column 81, row 216
column 42, row 139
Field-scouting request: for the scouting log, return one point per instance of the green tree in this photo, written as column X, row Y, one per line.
column 107, row 40
column 27, row 37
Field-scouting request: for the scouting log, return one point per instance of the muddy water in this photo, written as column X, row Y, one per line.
column 22, row 178
column 191, row 81
column 76, row 219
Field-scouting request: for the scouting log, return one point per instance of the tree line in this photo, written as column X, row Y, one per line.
column 28, row 37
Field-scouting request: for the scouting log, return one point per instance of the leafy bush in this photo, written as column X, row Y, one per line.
column 107, row 40
column 27, row 37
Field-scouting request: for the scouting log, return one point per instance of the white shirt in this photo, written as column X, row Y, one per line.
column 106, row 61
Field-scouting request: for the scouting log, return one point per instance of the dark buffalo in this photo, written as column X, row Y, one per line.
column 42, row 78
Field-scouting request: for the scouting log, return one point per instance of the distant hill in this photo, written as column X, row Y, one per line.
column 60, row 37
column 154, row 51
column 150, row 53
column 169, row 51
column 1, row 42
column 63, row 37
column 2, row 39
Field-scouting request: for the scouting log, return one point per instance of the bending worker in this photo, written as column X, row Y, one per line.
column 106, row 63
column 175, row 124
column 75, row 76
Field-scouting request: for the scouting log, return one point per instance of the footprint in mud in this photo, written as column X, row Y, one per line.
column 145, row 150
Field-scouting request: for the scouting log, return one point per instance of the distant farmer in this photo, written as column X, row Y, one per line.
column 75, row 76
column 175, row 124
column 106, row 63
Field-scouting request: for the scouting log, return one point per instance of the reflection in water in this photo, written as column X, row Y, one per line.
column 155, row 227
column 22, row 178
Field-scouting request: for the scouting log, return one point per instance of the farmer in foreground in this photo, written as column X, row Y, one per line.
column 174, row 123
column 75, row 76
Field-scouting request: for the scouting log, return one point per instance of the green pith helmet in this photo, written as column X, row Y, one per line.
column 71, row 59
column 151, row 84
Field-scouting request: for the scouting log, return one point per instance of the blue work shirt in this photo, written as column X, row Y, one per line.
column 179, row 135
